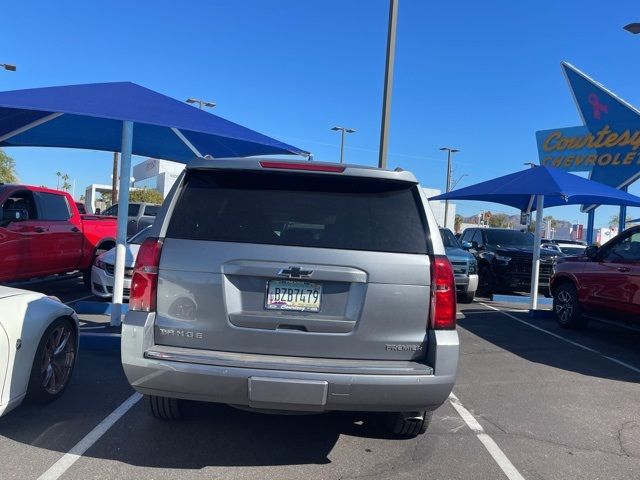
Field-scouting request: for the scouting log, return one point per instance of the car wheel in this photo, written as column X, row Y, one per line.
column 467, row 297
column 486, row 283
column 163, row 408
column 408, row 424
column 53, row 362
column 567, row 308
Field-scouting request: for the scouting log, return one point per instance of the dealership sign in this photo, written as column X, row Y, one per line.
column 607, row 144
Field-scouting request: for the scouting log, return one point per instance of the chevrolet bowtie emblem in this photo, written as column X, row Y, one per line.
column 294, row 272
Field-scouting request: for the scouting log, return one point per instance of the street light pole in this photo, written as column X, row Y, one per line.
column 388, row 83
column 344, row 131
column 201, row 103
column 9, row 67
column 448, row 187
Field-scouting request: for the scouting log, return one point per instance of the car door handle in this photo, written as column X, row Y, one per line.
column 75, row 229
column 38, row 229
column 624, row 269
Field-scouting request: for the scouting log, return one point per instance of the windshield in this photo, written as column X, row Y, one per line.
column 448, row 238
column 509, row 238
column 140, row 237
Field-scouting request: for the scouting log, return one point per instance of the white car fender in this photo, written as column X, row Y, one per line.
column 25, row 317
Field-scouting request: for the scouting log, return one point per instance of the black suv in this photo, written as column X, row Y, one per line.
column 504, row 259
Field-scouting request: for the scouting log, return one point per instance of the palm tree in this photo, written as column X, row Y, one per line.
column 58, row 174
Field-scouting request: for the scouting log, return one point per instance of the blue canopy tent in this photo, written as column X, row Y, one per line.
column 535, row 189
column 102, row 116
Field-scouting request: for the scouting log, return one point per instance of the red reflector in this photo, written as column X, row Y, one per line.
column 144, row 284
column 443, row 294
column 309, row 166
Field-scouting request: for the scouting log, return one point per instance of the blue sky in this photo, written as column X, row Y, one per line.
column 480, row 76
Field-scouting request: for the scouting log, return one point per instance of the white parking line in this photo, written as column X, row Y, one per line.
column 78, row 299
column 73, row 455
column 560, row 337
column 492, row 447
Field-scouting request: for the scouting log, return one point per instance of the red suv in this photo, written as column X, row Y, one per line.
column 603, row 280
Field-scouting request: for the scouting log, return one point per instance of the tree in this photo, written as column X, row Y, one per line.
column 554, row 222
column 458, row 223
column 106, row 199
column 58, row 174
column 148, row 195
column 66, row 186
column 499, row 220
column 7, row 169
column 615, row 219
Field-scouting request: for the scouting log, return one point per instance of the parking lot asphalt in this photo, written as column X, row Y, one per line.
column 556, row 404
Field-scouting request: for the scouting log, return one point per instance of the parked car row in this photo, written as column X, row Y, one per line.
column 271, row 286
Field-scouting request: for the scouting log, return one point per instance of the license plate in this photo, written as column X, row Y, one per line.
column 288, row 295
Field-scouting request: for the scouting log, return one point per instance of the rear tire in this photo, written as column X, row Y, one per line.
column 408, row 424
column 467, row 297
column 163, row 408
column 567, row 308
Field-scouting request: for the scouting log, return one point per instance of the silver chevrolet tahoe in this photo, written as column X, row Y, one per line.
column 294, row 286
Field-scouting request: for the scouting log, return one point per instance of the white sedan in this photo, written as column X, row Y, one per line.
column 104, row 267
column 38, row 347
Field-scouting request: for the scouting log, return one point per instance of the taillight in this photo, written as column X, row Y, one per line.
column 443, row 294
column 309, row 166
column 144, row 284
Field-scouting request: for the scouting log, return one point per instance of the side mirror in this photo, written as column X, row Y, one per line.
column 475, row 246
column 591, row 252
column 466, row 245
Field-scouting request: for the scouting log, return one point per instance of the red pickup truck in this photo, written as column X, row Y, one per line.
column 42, row 233
column 605, row 281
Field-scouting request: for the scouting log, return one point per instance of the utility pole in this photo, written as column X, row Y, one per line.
column 114, row 180
column 201, row 103
column 344, row 131
column 449, row 150
column 388, row 83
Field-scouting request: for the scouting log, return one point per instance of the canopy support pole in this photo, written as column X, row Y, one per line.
column 123, row 216
column 622, row 217
column 591, row 216
column 535, row 266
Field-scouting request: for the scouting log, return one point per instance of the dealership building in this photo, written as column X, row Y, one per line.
column 157, row 174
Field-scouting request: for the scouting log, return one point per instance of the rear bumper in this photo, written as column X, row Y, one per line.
column 287, row 389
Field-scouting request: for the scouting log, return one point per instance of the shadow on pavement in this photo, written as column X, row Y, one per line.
column 208, row 434
column 218, row 435
column 539, row 347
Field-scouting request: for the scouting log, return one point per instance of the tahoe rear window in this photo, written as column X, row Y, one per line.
column 323, row 211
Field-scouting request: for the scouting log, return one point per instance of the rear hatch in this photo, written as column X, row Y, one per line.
column 295, row 264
